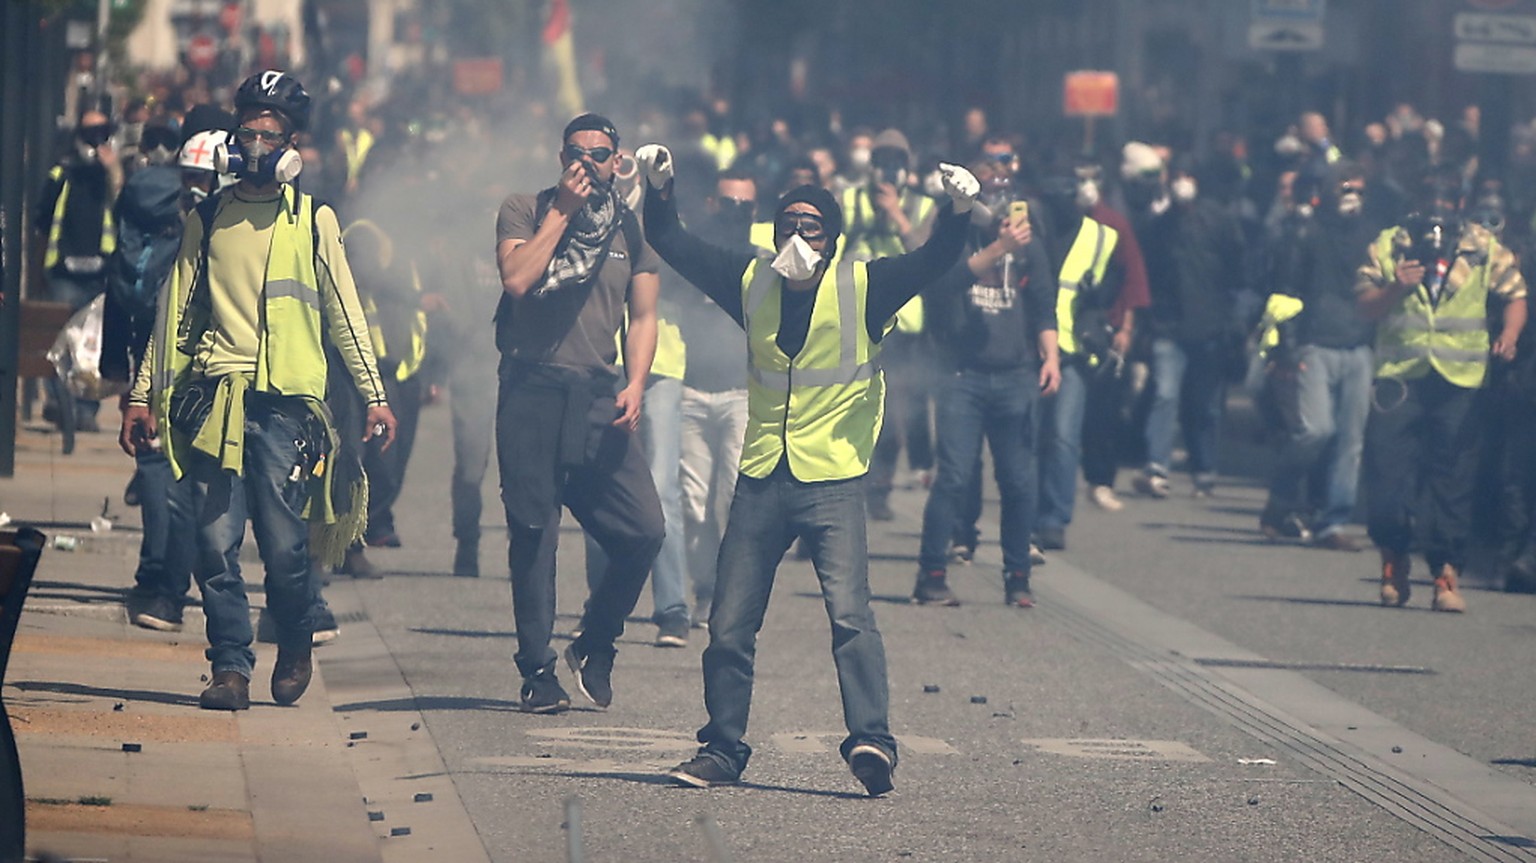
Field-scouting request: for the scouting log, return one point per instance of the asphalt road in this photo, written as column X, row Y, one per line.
column 1182, row 690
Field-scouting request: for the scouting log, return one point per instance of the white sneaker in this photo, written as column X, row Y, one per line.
column 1036, row 556
column 1104, row 498
column 1152, row 485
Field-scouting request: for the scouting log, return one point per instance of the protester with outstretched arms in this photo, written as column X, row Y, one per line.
column 815, row 400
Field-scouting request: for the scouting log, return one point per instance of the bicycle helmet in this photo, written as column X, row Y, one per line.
column 278, row 91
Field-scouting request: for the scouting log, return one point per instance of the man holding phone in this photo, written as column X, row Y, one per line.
column 993, row 318
column 573, row 262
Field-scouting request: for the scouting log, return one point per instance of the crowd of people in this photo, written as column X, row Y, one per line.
column 714, row 349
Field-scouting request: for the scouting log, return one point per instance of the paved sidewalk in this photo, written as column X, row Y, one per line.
column 119, row 763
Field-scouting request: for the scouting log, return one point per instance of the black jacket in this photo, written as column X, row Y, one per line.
column 1316, row 263
column 1195, row 266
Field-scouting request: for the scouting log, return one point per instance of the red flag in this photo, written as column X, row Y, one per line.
column 559, row 21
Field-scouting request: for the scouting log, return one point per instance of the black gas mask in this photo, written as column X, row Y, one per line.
column 734, row 213
column 89, row 139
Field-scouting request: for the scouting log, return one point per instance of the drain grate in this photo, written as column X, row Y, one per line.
column 1279, row 665
column 1443, row 817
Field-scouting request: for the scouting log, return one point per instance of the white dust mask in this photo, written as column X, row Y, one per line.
column 797, row 260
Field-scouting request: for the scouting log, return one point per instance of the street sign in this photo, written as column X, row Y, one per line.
column 202, row 51
column 1091, row 94
column 1287, row 25
column 474, row 76
column 1285, row 36
column 1494, row 43
column 1494, row 58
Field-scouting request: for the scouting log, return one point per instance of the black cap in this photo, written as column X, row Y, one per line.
column 591, row 123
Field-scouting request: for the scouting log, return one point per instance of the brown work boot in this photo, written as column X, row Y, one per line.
column 291, row 674
column 1447, row 598
column 230, row 690
column 1394, row 578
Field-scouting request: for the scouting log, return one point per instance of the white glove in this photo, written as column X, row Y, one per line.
column 960, row 185
column 655, row 162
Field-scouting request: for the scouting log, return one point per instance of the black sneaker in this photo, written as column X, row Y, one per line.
column 542, row 693
column 703, row 771
column 160, row 613
column 1289, row 526
column 873, row 767
column 1016, row 590
column 1051, row 539
column 933, row 589
column 594, row 673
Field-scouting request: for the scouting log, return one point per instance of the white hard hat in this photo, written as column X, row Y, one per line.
column 197, row 153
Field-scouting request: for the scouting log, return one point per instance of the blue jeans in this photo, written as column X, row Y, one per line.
column 1061, row 445
column 661, row 434
column 1000, row 406
column 273, row 504
column 767, row 515
column 1189, row 388
column 1334, row 388
column 165, row 505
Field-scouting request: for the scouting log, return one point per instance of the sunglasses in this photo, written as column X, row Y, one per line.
column 598, row 155
column 247, row 135
column 95, row 135
column 1351, row 189
column 808, row 226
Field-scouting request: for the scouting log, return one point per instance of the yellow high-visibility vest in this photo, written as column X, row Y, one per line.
column 1088, row 258
column 56, row 228
column 1450, row 339
column 823, row 408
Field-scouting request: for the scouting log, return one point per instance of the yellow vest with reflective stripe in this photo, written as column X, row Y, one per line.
column 862, row 243
column 416, row 355
column 671, row 360
column 290, row 357
column 56, row 228
column 722, row 148
column 356, row 146
column 1087, row 259
column 823, row 408
column 1418, row 337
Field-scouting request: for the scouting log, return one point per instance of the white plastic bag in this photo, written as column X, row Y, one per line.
column 76, row 354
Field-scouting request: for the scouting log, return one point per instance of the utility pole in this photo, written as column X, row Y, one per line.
column 17, row 46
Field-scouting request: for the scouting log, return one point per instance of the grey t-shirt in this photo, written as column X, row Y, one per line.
column 572, row 327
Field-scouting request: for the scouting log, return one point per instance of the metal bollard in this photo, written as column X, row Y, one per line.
column 573, row 852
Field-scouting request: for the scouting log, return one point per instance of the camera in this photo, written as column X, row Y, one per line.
column 888, row 166
column 1431, row 239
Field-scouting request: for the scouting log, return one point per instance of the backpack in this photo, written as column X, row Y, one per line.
column 148, row 238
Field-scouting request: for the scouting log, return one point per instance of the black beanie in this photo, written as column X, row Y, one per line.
column 821, row 199
column 591, row 123
column 206, row 118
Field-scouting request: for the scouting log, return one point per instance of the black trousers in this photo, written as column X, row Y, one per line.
column 907, row 360
column 386, row 468
column 609, row 490
column 1421, row 455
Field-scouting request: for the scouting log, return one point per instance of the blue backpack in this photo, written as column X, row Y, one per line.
column 148, row 237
